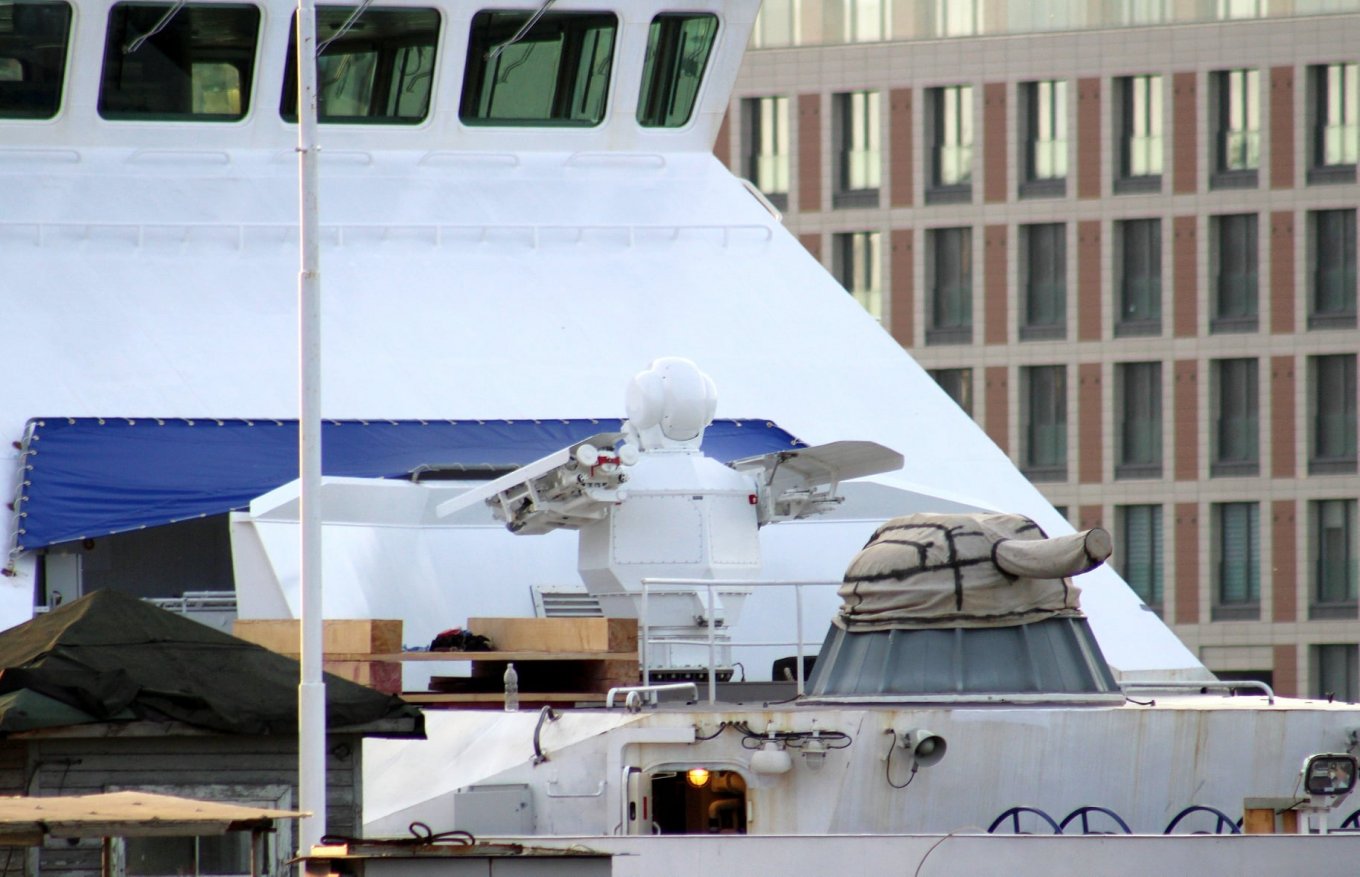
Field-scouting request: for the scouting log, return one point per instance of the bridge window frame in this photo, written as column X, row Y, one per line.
column 580, row 82
column 203, row 35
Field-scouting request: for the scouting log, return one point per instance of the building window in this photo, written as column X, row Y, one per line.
column 1333, row 251
column 1136, row 12
column 1334, row 559
column 1237, row 561
column 223, row 854
column 957, row 383
column 1229, row 9
column 1331, row 403
column 857, row 149
column 1140, row 277
column 765, row 146
column 866, row 21
column 1336, row 136
column 1334, row 672
column 1237, row 138
column 1044, row 268
column 1045, row 138
column 951, row 144
column 859, row 268
column 1140, row 550
column 1048, row 16
column 1235, row 278
column 1044, row 418
column 1235, row 400
column 777, row 24
column 950, row 270
column 956, row 18
column 33, row 60
column 1140, row 133
column 1138, row 386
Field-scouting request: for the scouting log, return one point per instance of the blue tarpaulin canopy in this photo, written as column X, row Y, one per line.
column 87, row 476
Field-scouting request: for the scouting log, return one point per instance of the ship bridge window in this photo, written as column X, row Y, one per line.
column 555, row 72
column 177, row 62
column 374, row 66
column 678, row 46
column 33, row 40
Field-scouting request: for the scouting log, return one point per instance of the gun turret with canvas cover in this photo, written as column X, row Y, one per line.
column 650, row 505
column 966, row 607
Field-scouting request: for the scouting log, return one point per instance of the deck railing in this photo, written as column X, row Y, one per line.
column 685, row 585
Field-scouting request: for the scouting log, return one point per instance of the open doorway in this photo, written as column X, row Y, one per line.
column 699, row 801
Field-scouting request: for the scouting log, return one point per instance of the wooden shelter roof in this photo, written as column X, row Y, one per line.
column 25, row 821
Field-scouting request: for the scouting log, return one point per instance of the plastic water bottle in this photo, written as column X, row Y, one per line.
column 511, row 689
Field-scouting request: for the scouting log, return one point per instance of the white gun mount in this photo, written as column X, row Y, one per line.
column 804, row 482
column 568, row 488
column 649, row 504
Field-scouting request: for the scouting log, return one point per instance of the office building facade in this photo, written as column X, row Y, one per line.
column 1122, row 235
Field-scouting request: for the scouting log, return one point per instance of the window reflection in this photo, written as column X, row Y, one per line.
column 33, row 46
column 557, row 72
column 678, row 46
column 372, row 66
column 178, row 63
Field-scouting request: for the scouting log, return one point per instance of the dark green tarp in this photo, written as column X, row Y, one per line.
column 111, row 658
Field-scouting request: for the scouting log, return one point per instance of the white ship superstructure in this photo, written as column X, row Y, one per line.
column 484, row 255
column 519, row 210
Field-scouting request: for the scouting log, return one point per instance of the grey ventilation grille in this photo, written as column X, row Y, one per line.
column 564, row 601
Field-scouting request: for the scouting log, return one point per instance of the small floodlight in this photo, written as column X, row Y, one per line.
column 1330, row 774
column 697, row 776
column 814, row 751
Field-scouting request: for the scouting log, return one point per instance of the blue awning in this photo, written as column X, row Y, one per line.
column 86, row 477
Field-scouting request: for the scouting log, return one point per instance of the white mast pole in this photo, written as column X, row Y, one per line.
column 311, row 690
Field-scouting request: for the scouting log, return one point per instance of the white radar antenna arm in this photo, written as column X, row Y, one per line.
column 568, row 488
column 802, row 482
column 669, row 406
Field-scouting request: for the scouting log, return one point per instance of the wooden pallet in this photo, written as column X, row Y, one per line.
column 349, row 647
column 558, row 660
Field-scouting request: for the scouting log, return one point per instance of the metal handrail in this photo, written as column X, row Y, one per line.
column 1192, row 687
column 651, row 690
column 709, row 584
column 222, row 601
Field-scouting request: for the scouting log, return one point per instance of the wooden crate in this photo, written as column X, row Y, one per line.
column 346, row 647
column 558, row 634
column 384, row 676
column 1271, row 815
column 347, row 637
